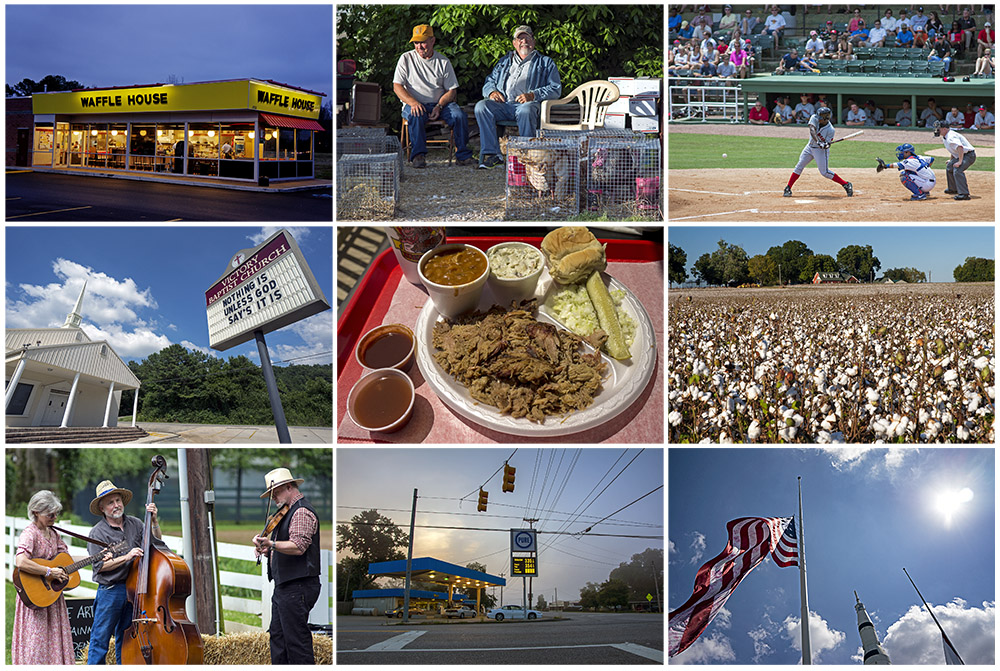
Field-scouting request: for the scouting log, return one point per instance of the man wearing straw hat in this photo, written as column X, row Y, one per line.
column 112, row 609
column 292, row 554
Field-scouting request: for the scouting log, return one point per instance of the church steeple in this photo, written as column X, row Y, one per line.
column 74, row 318
column 873, row 650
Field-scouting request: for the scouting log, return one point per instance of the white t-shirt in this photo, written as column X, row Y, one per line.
column 426, row 79
column 876, row 35
column 815, row 45
column 889, row 22
column 774, row 22
column 953, row 140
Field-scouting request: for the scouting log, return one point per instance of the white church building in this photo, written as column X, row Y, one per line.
column 60, row 377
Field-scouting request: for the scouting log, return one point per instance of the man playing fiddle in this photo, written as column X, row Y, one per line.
column 292, row 553
column 112, row 609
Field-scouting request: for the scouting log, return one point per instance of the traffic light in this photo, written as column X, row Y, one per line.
column 508, row 478
column 482, row 500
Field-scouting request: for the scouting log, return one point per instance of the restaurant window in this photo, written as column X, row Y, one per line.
column 43, row 144
column 286, row 144
column 269, row 144
column 236, row 150
column 96, row 147
column 169, row 148
column 142, row 146
column 77, row 142
column 203, row 149
column 303, row 145
column 117, row 141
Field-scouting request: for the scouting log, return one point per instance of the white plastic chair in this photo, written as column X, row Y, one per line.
column 594, row 98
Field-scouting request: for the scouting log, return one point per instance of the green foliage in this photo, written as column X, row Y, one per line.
column 179, row 385
column 589, row 596
column 911, row 275
column 613, row 594
column 791, row 256
column 643, row 574
column 858, row 261
column 541, row 603
column 975, row 269
column 585, row 41
column 48, row 83
column 676, row 260
column 695, row 151
column 726, row 265
column 371, row 537
column 818, row 263
column 763, row 269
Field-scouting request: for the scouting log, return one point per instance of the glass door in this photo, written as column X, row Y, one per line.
column 61, row 158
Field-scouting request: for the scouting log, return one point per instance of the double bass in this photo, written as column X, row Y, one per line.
column 157, row 586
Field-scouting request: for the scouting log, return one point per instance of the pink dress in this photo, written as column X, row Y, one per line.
column 41, row 636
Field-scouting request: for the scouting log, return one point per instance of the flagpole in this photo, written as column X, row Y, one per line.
column 943, row 635
column 806, row 647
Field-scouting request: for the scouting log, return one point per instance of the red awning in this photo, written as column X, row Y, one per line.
column 289, row 122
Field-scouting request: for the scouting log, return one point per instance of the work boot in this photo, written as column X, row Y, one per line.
column 419, row 161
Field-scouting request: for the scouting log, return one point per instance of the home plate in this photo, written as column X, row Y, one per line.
column 804, row 202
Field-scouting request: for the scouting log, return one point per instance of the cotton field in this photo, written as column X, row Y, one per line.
column 846, row 364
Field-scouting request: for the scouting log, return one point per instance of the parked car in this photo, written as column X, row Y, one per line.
column 398, row 612
column 511, row 612
column 461, row 612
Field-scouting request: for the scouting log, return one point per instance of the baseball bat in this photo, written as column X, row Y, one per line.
column 848, row 137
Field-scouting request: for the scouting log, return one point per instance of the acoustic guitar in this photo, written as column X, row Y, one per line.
column 37, row 591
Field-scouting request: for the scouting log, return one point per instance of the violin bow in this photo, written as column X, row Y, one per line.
column 267, row 514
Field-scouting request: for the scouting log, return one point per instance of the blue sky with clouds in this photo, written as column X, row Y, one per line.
column 146, row 285
column 868, row 513
column 933, row 249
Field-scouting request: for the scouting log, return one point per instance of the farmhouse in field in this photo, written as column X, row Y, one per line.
column 835, row 278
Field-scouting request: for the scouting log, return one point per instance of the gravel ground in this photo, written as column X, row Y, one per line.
column 442, row 192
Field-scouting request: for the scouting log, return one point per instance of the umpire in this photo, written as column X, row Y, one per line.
column 963, row 155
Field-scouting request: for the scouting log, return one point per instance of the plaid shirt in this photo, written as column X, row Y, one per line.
column 302, row 526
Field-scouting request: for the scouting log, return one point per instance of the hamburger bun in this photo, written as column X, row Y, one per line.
column 572, row 254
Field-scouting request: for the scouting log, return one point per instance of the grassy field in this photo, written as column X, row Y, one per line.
column 696, row 151
column 323, row 167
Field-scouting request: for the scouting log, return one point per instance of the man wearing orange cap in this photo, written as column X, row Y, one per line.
column 426, row 83
column 514, row 91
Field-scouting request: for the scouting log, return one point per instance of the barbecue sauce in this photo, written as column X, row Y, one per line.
column 382, row 401
column 387, row 350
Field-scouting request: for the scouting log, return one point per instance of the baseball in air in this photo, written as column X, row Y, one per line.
column 725, row 156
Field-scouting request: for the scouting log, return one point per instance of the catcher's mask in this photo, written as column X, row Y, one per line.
column 824, row 114
column 902, row 149
column 937, row 127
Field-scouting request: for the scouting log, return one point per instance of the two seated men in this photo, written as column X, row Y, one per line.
column 425, row 82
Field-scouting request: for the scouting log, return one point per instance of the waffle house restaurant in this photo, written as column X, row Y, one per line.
column 245, row 129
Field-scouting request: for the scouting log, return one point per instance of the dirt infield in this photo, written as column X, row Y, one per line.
column 872, row 134
column 747, row 194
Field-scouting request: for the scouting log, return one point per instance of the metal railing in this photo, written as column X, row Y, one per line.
column 715, row 102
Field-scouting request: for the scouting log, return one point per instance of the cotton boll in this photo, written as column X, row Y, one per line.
column 951, row 376
column 981, row 363
column 873, row 396
column 962, row 433
column 674, row 418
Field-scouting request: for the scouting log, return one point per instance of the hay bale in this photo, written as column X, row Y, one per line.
column 243, row 648
column 109, row 658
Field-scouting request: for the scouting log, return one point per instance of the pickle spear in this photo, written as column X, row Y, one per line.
column 607, row 317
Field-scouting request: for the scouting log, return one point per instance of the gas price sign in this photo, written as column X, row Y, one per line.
column 525, row 566
column 264, row 288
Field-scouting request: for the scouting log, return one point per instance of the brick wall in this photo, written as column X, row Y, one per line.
column 18, row 116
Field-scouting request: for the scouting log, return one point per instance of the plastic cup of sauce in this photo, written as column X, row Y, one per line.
column 454, row 276
column 386, row 346
column 381, row 401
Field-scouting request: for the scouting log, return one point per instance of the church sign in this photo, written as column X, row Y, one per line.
column 264, row 289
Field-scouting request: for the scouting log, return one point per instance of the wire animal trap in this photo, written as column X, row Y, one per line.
column 582, row 138
column 543, row 178
column 360, row 131
column 623, row 177
column 367, row 186
column 371, row 144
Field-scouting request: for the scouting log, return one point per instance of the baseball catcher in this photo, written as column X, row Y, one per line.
column 914, row 171
column 820, row 137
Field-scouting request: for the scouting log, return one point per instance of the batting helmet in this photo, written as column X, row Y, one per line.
column 938, row 124
column 902, row 149
column 824, row 114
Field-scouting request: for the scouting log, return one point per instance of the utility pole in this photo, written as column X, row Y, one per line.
column 531, row 525
column 501, row 592
column 409, row 560
column 779, row 274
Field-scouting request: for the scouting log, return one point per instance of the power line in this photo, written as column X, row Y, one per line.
column 476, row 490
column 508, row 505
column 623, row 508
column 506, row 531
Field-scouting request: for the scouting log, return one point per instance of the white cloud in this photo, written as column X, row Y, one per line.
column 821, row 636
column 297, row 232
column 316, row 333
column 713, row 649
column 172, row 327
column 889, row 461
column 672, row 547
column 723, row 619
column 698, row 545
column 198, row 348
column 138, row 343
column 760, row 647
column 915, row 639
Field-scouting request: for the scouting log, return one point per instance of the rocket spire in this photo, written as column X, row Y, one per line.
column 873, row 650
column 74, row 318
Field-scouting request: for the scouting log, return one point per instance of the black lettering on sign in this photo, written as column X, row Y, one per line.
column 303, row 104
column 147, row 99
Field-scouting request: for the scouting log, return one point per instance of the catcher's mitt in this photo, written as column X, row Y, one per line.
column 881, row 165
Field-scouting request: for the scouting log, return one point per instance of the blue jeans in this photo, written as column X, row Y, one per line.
column 112, row 615
column 946, row 59
column 453, row 115
column 488, row 112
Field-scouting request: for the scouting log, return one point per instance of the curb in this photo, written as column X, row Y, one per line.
column 322, row 184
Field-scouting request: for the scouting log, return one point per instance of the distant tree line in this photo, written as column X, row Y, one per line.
column 26, row 86
column 975, row 269
column 631, row 581
column 179, row 385
column 790, row 263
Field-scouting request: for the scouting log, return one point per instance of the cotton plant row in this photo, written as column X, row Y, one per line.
column 865, row 364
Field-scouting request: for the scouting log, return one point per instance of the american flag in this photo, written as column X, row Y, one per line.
column 750, row 541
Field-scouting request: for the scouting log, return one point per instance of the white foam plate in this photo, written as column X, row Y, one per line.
column 623, row 384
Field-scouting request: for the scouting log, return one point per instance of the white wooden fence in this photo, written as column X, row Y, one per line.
column 321, row 614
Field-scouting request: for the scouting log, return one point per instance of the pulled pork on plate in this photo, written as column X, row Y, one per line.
column 524, row 367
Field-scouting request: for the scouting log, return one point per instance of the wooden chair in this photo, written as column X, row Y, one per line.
column 449, row 140
column 594, row 97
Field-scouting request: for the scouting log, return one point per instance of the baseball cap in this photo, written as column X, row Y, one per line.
column 982, row 108
column 684, row 24
column 833, row 32
column 813, row 32
column 987, row 24
column 522, row 29
column 422, row 33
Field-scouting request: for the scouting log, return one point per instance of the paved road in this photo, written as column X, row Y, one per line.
column 34, row 196
column 584, row 638
column 172, row 432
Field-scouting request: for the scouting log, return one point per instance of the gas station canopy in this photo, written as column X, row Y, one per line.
column 428, row 569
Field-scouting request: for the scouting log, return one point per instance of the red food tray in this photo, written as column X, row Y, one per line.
column 370, row 302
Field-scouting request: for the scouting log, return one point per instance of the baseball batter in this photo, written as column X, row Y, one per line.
column 820, row 136
column 963, row 155
column 914, row 171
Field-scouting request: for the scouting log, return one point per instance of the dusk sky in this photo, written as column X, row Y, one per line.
column 121, row 45
column 934, row 249
column 550, row 484
column 869, row 512
column 146, row 285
